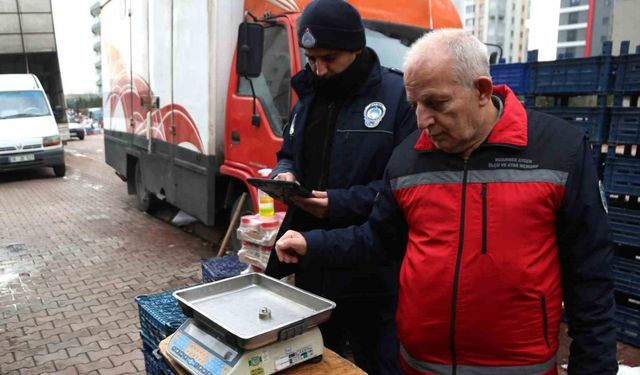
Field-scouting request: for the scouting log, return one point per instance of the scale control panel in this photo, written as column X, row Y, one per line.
column 200, row 353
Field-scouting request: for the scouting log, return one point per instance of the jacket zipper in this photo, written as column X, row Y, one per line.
column 545, row 324
column 325, row 148
column 456, row 275
column 483, row 193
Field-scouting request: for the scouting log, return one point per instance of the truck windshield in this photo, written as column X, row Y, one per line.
column 15, row 104
column 391, row 41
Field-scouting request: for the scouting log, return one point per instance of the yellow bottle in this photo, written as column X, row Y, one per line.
column 265, row 202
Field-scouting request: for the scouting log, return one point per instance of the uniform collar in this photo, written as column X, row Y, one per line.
column 510, row 130
column 302, row 82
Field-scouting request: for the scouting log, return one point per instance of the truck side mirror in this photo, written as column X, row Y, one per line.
column 249, row 49
column 493, row 58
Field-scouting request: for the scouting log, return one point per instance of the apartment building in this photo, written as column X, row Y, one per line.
column 500, row 23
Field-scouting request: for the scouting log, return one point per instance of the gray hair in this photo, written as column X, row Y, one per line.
column 470, row 56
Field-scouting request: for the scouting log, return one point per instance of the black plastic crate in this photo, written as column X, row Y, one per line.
column 589, row 75
column 622, row 175
column 215, row 269
column 592, row 120
column 160, row 316
column 625, row 126
column 515, row 75
column 625, row 224
column 628, row 325
column 154, row 364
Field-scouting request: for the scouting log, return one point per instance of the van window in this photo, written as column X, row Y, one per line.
column 273, row 85
column 14, row 104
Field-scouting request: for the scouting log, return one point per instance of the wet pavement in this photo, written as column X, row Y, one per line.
column 74, row 253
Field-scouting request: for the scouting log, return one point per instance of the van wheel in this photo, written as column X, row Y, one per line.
column 81, row 136
column 146, row 200
column 247, row 209
column 60, row 170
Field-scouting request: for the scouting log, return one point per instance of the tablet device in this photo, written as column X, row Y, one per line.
column 278, row 189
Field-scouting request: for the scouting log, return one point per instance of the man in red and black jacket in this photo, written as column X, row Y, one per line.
column 502, row 217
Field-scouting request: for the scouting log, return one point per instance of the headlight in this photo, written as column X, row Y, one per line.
column 54, row 140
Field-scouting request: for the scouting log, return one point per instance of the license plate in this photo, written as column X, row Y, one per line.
column 21, row 158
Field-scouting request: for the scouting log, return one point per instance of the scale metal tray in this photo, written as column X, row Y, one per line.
column 234, row 309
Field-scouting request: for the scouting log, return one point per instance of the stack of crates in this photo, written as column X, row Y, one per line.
column 160, row 316
column 622, row 184
column 563, row 80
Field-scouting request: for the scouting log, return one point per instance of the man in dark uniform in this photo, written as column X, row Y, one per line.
column 351, row 114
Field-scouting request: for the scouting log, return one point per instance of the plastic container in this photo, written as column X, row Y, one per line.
column 265, row 202
column 215, row 269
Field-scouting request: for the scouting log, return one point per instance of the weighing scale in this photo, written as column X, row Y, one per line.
column 250, row 324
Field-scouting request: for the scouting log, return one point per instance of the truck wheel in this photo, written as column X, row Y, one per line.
column 247, row 209
column 146, row 200
column 60, row 170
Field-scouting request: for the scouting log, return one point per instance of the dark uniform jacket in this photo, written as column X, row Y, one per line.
column 369, row 122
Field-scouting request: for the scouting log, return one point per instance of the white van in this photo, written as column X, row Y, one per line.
column 29, row 134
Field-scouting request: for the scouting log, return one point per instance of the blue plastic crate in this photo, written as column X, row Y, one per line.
column 514, row 75
column 148, row 343
column 625, row 126
column 626, row 275
column 154, row 364
column 588, row 75
column 628, row 325
column 592, row 120
column 215, row 269
column 627, row 74
column 622, row 175
column 625, row 224
column 160, row 316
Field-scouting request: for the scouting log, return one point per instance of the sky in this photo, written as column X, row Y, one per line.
column 72, row 22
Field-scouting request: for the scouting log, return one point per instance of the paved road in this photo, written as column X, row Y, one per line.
column 74, row 253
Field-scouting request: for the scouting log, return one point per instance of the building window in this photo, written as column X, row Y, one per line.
column 573, row 17
column 605, row 20
column 574, row 2
column 512, row 33
column 471, row 8
column 501, row 17
column 571, row 35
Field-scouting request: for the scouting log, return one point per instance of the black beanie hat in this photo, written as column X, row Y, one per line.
column 331, row 24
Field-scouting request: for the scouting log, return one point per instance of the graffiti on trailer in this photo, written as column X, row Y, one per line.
column 126, row 92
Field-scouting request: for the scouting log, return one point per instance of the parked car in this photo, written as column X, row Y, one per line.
column 77, row 130
column 29, row 135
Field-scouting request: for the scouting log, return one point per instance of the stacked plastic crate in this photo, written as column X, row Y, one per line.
column 160, row 316
column 622, row 184
column 578, row 80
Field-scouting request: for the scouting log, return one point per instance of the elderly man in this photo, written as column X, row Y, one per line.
column 503, row 219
